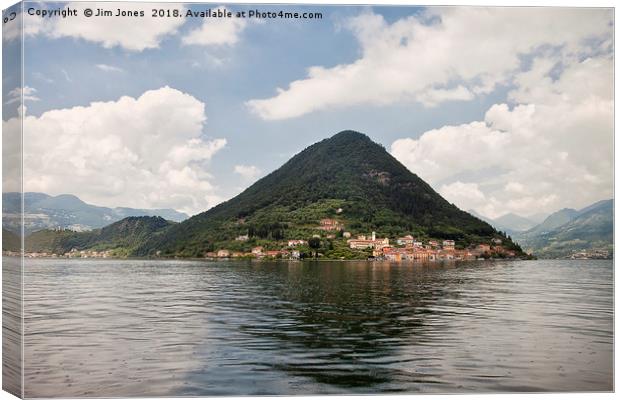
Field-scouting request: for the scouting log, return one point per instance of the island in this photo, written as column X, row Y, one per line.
column 343, row 198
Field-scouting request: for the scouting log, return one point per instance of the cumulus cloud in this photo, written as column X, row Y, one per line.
column 122, row 31
column 11, row 153
column 217, row 31
column 12, row 30
column 552, row 149
column 443, row 54
column 138, row 152
column 248, row 172
column 463, row 192
column 15, row 95
column 470, row 196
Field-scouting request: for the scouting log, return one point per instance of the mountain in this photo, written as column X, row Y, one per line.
column 480, row 216
column 66, row 211
column 513, row 223
column 554, row 221
column 569, row 231
column 599, row 205
column 348, row 178
column 537, row 218
column 509, row 223
column 123, row 237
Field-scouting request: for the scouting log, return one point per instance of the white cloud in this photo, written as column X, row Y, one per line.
column 441, row 153
column 459, row 192
column 11, row 30
column 11, row 153
column 138, row 152
column 15, row 95
column 210, row 61
column 217, row 31
column 66, row 75
column 470, row 196
column 42, row 77
column 514, row 187
column 554, row 150
column 248, row 172
column 443, row 54
column 433, row 97
column 108, row 68
column 130, row 33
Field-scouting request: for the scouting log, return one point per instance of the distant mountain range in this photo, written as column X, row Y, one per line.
column 568, row 231
column 66, row 211
column 509, row 223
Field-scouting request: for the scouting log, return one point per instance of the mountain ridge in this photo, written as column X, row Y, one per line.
column 568, row 231
column 66, row 211
column 510, row 223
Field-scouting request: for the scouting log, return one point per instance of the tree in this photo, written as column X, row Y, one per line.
column 315, row 244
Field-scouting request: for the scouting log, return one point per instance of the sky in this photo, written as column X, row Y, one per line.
column 501, row 110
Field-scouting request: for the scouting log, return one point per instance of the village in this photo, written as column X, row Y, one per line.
column 406, row 248
column 592, row 254
column 74, row 253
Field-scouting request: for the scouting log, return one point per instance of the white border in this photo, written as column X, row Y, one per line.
column 571, row 3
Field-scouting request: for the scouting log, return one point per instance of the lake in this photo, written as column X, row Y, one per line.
column 110, row 328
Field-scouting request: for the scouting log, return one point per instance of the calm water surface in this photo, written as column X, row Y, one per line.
column 124, row 328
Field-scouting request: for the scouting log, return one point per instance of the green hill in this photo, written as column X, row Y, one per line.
column 123, row 237
column 347, row 177
column 10, row 241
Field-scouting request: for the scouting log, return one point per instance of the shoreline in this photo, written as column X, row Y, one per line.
column 271, row 260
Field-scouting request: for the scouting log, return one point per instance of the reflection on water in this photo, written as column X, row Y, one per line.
column 122, row 328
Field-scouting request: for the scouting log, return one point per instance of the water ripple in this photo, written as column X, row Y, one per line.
column 163, row 328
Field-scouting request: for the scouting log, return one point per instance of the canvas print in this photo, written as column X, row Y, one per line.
column 214, row 199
